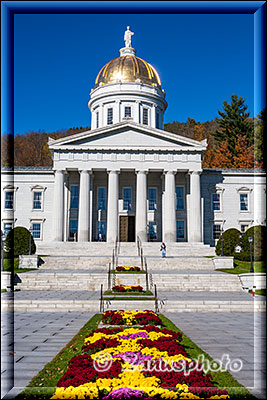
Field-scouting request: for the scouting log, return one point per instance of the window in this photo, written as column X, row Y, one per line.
column 145, row 116
column 244, row 228
column 73, row 228
column 179, row 198
column 9, row 197
column 110, row 116
column 101, row 228
column 36, row 230
column 243, row 201
column 97, row 119
column 152, row 230
column 7, row 227
column 127, row 198
column 37, row 200
column 74, row 197
column 157, row 120
column 127, row 111
column 179, row 230
column 152, row 198
column 216, row 231
column 101, row 198
column 216, row 202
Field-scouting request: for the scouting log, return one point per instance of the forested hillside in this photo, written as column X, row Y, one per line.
column 235, row 140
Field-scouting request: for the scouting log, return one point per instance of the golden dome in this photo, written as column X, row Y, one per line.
column 127, row 68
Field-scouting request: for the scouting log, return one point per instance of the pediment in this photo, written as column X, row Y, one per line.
column 127, row 136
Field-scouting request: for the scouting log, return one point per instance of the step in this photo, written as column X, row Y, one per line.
column 169, row 306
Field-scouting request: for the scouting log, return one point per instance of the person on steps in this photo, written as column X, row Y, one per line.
column 163, row 250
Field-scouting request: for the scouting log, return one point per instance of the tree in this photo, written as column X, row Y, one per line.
column 259, row 126
column 234, row 122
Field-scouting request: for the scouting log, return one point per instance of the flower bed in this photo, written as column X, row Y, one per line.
column 128, row 268
column 127, row 288
column 115, row 363
column 121, row 317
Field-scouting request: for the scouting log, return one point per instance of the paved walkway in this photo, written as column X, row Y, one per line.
column 240, row 335
column 30, row 341
column 38, row 337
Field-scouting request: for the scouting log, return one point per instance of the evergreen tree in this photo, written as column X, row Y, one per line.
column 234, row 122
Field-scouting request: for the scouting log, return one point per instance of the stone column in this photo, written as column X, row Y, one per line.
column 195, row 227
column 59, row 205
column 101, row 116
column 141, row 205
column 113, row 209
column 153, row 116
column 169, row 233
column 137, row 111
column 84, row 207
column 117, row 112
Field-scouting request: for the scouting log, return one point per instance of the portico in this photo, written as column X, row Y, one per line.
column 154, row 186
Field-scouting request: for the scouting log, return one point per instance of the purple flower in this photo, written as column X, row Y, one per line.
column 125, row 393
column 134, row 335
column 133, row 357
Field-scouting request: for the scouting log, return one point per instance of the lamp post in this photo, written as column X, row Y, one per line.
column 222, row 241
column 250, row 239
column 2, row 250
column 30, row 241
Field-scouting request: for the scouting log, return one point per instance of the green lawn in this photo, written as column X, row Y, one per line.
column 43, row 385
column 243, row 267
column 260, row 292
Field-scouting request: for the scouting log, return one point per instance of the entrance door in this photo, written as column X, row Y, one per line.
column 127, row 229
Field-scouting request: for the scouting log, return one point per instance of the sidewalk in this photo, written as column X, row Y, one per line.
column 35, row 338
column 240, row 335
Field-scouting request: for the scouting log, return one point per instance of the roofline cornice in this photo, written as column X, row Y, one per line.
column 53, row 144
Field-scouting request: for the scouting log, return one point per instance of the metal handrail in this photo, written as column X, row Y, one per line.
column 147, row 288
column 109, row 276
column 142, row 259
column 101, row 299
column 156, row 300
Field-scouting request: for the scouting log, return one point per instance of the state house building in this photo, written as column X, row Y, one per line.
column 127, row 177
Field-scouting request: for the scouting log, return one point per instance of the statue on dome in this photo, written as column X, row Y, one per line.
column 128, row 37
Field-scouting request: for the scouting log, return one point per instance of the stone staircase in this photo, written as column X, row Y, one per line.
column 70, row 279
column 165, row 282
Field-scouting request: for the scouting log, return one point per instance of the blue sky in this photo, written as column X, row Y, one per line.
column 201, row 59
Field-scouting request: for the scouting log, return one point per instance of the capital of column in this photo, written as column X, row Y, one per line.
column 137, row 101
column 113, row 171
column 85, row 171
column 141, row 171
column 166, row 172
column 198, row 172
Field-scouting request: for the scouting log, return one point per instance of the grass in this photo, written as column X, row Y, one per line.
column 3, row 290
column 43, row 385
column 223, row 380
column 260, row 292
column 127, row 272
column 243, row 267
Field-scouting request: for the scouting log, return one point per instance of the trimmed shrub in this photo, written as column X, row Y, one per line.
column 17, row 242
column 258, row 233
column 231, row 239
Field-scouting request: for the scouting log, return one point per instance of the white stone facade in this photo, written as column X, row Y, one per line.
column 56, row 214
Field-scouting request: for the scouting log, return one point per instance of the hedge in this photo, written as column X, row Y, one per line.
column 17, row 242
column 231, row 239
